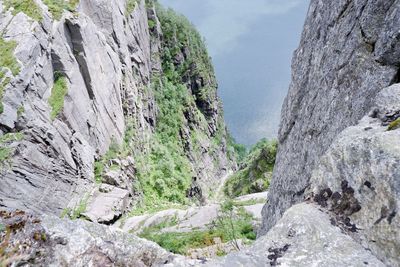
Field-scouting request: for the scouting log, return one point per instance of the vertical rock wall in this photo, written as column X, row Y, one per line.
column 108, row 57
column 349, row 51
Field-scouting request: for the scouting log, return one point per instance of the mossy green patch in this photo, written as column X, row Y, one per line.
column 59, row 91
column 165, row 173
column 57, row 7
column 130, row 6
column 77, row 211
column 20, row 110
column 394, row 125
column 3, row 85
column 255, row 172
column 5, row 150
column 29, row 7
column 7, row 58
column 232, row 224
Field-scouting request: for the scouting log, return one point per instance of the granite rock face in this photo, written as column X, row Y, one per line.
column 108, row 58
column 349, row 51
column 358, row 178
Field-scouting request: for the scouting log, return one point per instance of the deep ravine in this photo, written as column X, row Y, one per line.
column 114, row 150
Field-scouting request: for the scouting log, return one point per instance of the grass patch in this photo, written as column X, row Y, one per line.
column 5, row 151
column 76, row 212
column 249, row 202
column 255, row 171
column 57, row 7
column 5, row 155
column 7, row 58
column 151, row 23
column 130, row 6
column 394, row 125
column 3, row 85
column 232, row 224
column 20, row 111
column 59, row 91
column 28, row 7
column 114, row 151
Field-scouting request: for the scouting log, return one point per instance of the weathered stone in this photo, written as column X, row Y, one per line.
column 304, row 236
column 106, row 204
column 50, row 241
column 348, row 52
column 361, row 168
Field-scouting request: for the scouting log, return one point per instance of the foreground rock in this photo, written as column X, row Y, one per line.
column 106, row 204
column 359, row 178
column 50, row 241
column 304, row 236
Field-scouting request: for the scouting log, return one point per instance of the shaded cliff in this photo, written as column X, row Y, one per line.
column 105, row 94
column 349, row 51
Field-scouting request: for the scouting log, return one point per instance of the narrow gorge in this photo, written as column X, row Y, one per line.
column 114, row 150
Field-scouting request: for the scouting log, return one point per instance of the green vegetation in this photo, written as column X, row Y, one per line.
column 151, row 23
column 394, row 125
column 3, row 85
column 130, row 6
column 164, row 173
column 114, row 151
column 28, row 7
column 59, row 91
column 2, row 228
column 57, row 7
column 239, row 150
column 20, row 110
column 180, row 34
column 5, row 149
column 248, row 202
column 255, row 172
column 76, row 212
column 7, row 58
column 232, row 224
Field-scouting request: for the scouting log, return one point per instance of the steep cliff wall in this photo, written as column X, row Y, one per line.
column 349, row 52
column 85, row 98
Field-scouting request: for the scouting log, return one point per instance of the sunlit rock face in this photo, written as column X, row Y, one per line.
column 109, row 57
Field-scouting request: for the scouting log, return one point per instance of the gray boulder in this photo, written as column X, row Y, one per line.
column 358, row 178
column 304, row 236
column 106, row 204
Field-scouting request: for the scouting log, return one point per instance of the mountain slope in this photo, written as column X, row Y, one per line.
column 101, row 92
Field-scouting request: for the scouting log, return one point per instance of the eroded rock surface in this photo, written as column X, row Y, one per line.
column 304, row 236
column 108, row 59
column 349, row 51
column 358, row 178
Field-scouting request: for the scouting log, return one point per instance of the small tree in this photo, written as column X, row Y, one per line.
column 226, row 221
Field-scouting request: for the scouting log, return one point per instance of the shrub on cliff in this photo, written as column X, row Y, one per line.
column 255, row 171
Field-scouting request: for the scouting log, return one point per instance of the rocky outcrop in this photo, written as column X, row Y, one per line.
column 50, row 241
column 304, row 236
column 358, row 179
column 349, row 51
column 106, row 60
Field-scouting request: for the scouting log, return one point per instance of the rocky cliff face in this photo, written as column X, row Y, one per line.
column 349, row 52
column 84, row 98
column 338, row 139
